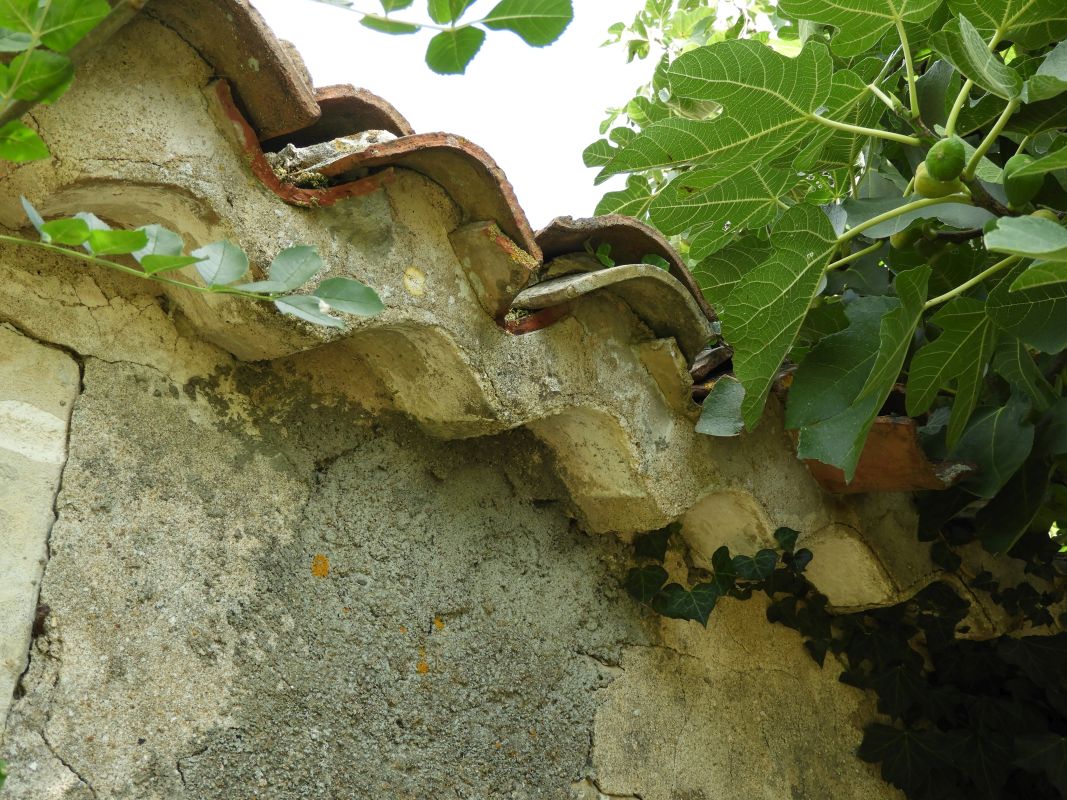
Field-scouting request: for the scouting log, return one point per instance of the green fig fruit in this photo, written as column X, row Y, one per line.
column 929, row 186
column 1020, row 189
column 945, row 160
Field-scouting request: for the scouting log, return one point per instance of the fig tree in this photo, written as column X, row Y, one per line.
column 946, row 158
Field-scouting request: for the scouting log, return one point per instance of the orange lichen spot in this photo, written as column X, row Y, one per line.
column 422, row 667
column 498, row 745
column 533, row 733
column 320, row 566
column 439, row 623
column 403, row 628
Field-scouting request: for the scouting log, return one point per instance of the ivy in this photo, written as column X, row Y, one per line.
column 156, row 254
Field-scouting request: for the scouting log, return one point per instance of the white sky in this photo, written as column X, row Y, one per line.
column 533, row 110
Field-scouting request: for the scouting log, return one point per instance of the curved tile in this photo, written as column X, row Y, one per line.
column 630, row 240
column 233, row 37
column 656, row 297
column 345, row 110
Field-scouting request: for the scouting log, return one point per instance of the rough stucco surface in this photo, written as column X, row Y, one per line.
column 384, row 563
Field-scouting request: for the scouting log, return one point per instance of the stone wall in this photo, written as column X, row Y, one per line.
column 279, row 563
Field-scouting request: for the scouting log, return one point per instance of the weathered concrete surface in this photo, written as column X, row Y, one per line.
column 366, row 564
column 38, row 387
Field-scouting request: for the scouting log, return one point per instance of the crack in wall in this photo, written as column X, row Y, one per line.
column 68, row 765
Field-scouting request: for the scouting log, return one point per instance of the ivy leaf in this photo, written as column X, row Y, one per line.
column 786, row 538
column 769, row 102
column 768, row 304
column 14, row 41
column 537, row 22
column 839, row 440
column 1013, row 362
column 756, row 568
column 962, row 46
column 899, row 688
column 714, row 209
column 161, row 242
column 152, row 264
column 223, row 263
column 20, row 143
column 721, row 413
column 444, row 12
column 907, row 758
column 860, row 23
column 68, row 21
column 73, row 232
column 349, row 296
column 832, row 375
column 44, row 75
column 109, row 242
column 1050, row 78
column 644, row 583
column 307, row 308
column 1044, row 753
column 1038, row 316
column 385, row 25
column 719, row 273
column 1028, row 23
column 654, row 544
column 1030, row 237
column 959, row 354
column 723, row 567
column 998, row 441
column 294, row 266
column 449, row 52
column 696, row 604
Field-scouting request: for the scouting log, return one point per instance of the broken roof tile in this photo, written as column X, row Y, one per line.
column 345, row 110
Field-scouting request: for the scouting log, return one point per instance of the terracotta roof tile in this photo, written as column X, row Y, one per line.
column 345, row 110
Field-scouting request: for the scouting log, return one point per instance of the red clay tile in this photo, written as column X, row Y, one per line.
column 345, row 110
column 630, row 240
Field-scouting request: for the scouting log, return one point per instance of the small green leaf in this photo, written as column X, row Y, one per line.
column 860, row 23
column 449, row 52
column 1031, row 237
column 3, row 773
column 110, row 243
column 295, row 266
column 1050, row 78
column 44, row 75
column 161, row 242
column 721, row 412
column 756, row 568
column 786, row 538
column 223, row 263
column 960, row 354
column 961, row 45
column 307, row 308
column 537, row 22
column 644, row 583
column 383, row 25
column 32, row 214
column 20, row 143
column 694, row 604
column 19, row 15
column 67, row 22
column 998, row 441
column 350, row 296
column 14, row 41
column 1037, row 316
column 72, row 232
column 152, row 264
column 263, row 287
column 396, row 5
column 444, row 12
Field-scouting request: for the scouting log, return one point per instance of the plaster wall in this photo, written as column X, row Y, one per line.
column 381, row 563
